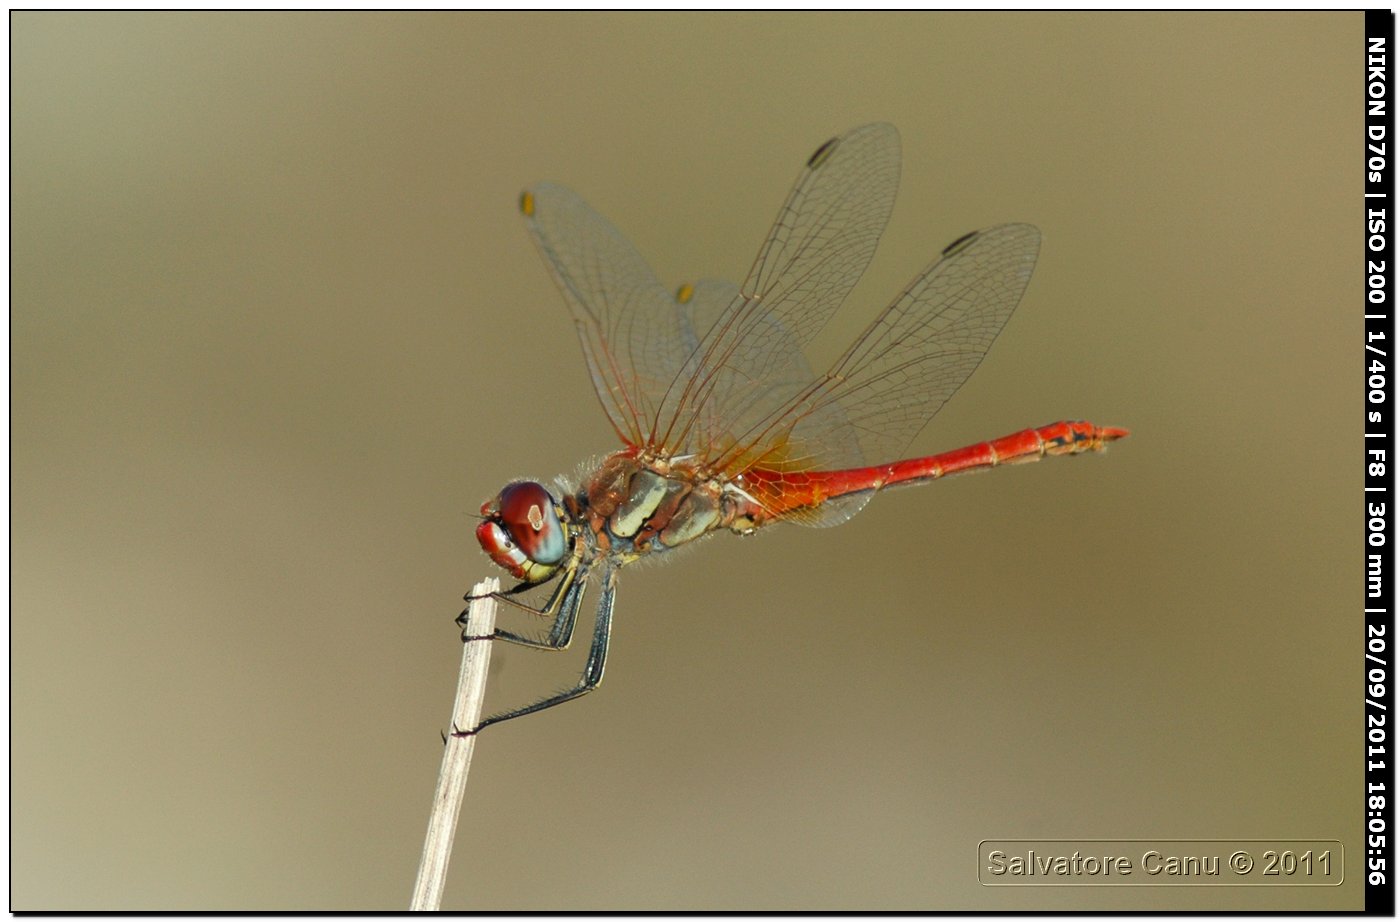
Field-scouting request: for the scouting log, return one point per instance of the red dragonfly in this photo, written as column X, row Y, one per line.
column 723, row 424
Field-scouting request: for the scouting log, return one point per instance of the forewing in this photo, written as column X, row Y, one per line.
column 827, row 230
column 816, row 251
column 632, row 330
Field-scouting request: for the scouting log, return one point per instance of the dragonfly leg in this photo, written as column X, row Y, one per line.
column 503, row 593
column 569, row 595
column 592, row 670
column 558, row 607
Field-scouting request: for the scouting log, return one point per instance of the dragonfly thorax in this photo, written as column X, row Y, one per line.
column 634, row 505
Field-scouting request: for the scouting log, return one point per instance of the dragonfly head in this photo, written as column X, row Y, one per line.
column 523, row 532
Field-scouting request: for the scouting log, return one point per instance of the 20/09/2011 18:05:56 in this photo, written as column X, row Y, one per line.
column 724, row 426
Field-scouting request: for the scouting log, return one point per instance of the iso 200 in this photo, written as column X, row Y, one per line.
column 1287, row 863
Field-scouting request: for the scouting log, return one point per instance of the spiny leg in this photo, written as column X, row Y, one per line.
column 504, row 595
column 592, row 670
column 561, row 633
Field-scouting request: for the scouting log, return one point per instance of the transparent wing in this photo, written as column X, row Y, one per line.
column 634, row 333
column 745, row 397
column 750, row 357
column 899, row 372
column 683, row 375
column 719, row 370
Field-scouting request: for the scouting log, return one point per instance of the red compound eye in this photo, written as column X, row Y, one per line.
column 525, row 511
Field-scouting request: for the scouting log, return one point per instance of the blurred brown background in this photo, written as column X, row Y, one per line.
column 277, row 332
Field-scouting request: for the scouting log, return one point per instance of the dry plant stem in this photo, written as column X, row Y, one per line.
column 457, row 751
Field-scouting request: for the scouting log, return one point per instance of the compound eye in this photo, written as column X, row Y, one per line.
column 526, row 509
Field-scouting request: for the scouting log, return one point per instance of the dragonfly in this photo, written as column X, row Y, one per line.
column 723, row 424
